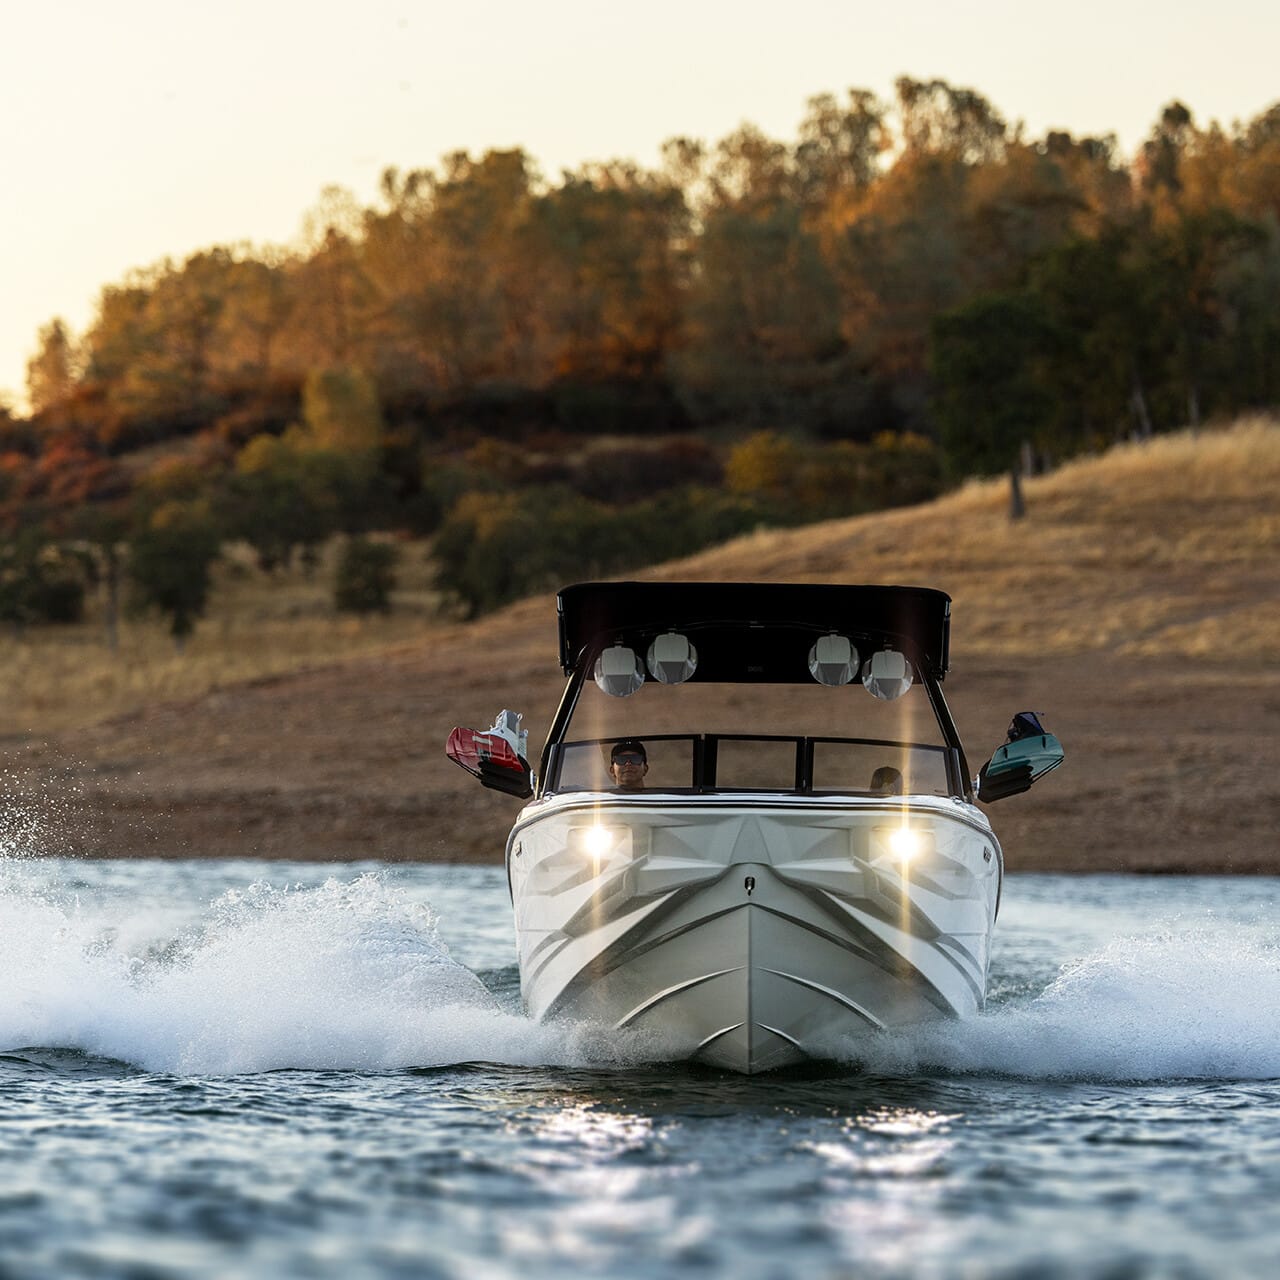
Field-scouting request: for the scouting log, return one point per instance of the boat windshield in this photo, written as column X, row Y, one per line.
column 775, row 737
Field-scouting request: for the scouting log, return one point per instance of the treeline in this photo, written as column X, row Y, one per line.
column 555, row 378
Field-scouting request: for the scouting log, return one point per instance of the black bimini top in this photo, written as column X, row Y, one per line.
column 745, row 632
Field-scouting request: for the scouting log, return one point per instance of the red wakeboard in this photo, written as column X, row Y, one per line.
column 472, row 747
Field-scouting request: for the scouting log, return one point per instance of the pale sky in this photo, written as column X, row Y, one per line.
column 140, row 129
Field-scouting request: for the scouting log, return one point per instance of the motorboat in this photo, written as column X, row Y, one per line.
column 752, row 837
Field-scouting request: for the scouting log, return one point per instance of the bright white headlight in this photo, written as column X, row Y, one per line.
column 905, row 843
column 597, row 841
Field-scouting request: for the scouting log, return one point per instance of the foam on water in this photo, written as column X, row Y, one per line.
column 344, row 976
column 1192, row 1004
column 353, row 975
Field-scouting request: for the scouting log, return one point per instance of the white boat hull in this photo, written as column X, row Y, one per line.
column 748, row 933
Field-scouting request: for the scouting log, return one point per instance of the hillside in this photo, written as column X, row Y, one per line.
column 1137, row 606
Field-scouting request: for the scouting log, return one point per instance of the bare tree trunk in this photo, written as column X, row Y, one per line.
column 1017, row 507
column 1139, row 401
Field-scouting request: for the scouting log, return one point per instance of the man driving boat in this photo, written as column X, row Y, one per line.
column 628, row 763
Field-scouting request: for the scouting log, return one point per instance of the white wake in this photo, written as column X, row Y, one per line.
column 1193, row 1004
column 353, row 975
column 343, row 976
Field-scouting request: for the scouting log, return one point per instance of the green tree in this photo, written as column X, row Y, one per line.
column 1187, row 263
column 493, row 548
column 365, row 576
column 40, row 581
column 1246, row 352
column 988, row 397
column 763, row 341
column 1105, row 316
column 283, row 496
column 342, row 414
column 169, row 565
column 797, row 482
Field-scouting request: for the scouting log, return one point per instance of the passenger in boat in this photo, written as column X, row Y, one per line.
column 887, row 781
column 628, row 763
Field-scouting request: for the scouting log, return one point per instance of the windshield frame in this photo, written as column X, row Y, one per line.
column 705, row 759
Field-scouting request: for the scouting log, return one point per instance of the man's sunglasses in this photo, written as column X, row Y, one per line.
column 628, row 758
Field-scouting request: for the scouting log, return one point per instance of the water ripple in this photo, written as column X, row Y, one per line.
column 295, row 1072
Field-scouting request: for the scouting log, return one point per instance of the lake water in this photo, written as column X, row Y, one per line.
column 266, row 1069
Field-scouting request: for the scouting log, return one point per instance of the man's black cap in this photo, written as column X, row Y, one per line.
column 629, row 744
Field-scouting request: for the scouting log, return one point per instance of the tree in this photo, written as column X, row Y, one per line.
column 1105, row 318
column 1246, row 354
column 1034, row 197
column 342, row 413
column 613, row 238
column 102, row 532
column 168, row 362
column 40, row 581
column 284, row 496
column 365, row 577
column 1160, row 161
column 456, row 274
column 838, row 155
column 902, row 261
column 257, row 307
column 53, row 371
column 328, row 284
column 169, row 565
column 1187, row 261
column 750, row 168
column 942, row 119
column 988, row 399
column 1256, row 183
column 763, row 340
column 115, row 336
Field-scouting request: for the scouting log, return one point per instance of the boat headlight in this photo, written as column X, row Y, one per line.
column 597, row 841
column 903, row 843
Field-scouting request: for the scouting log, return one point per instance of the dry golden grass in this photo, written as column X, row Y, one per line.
column 259, row 627
column 57, row 682
column 1165, row 549
column 1170, row 547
